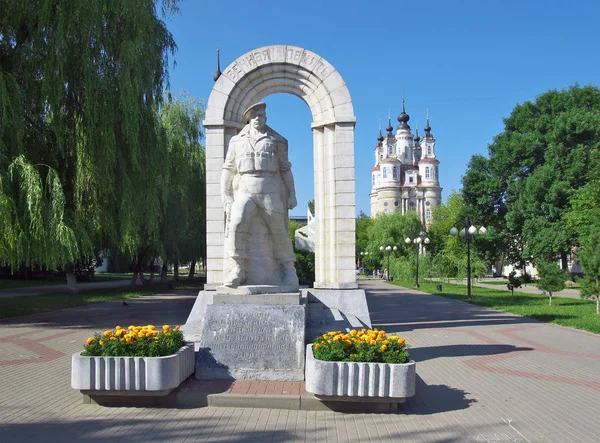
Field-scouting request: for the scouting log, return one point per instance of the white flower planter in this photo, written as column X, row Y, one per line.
column 350, row 381
column 132, row 375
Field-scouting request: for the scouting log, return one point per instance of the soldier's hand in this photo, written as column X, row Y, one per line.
column 227, row 202
column 292, row 202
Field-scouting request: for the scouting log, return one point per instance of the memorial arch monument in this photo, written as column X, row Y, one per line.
column 243, row 325
column 297, row 71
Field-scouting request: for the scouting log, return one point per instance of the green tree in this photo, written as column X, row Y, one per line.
column 183, row 226
column 590, row 264
column 391, row 229
column 552, row 278
column 80, row 152
column 514, row 282
column 523, row 190
column 311, row 206
column 363, row 223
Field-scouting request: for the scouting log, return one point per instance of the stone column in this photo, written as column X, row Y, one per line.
column 215, row 218
column 335, row 206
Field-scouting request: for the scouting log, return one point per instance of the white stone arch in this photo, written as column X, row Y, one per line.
column 249, row 79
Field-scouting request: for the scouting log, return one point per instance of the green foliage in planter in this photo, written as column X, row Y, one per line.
column 365, row 346
column 135, row 341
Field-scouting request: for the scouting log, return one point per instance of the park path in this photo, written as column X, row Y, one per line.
column 482, row 376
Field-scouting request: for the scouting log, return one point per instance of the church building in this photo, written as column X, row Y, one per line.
column 406, row 173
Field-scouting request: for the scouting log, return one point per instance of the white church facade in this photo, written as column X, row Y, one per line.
column 406, row 172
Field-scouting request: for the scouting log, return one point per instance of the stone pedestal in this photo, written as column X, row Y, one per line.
column 252, row 337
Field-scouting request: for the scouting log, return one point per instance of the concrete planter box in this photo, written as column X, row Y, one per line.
column 132, row 375
column 350, row 381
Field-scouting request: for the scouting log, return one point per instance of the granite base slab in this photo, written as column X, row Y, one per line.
column 252, row 342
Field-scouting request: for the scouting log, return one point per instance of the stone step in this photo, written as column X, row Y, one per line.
column 264, row 394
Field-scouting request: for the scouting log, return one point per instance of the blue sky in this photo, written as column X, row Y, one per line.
column 469, row 61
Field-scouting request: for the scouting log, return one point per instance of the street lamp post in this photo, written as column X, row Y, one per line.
column 363, row 255
column 468, row 231
column 388, row 249
column 421, row 238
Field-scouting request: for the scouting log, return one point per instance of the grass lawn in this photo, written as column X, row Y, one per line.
column 574, row 313
column 34, row 304
column 500, row 282
column 12, row 284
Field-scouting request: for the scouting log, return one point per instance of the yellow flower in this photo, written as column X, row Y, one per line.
column 317, row 345
column 89, row 340
column 166, row 327
column 386, row 342
column 118, row 327
column 108, row 333
column 353, row 332
column 400, row 341
column 128, row 339
column 113, row 338
column 177, row 327
column 101, row 342
column 384, row 348
column 325, row 335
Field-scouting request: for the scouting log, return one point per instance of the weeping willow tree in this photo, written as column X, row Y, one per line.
column 80, row 146
column 183, row 230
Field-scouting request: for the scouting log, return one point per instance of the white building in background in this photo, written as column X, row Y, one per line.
column 306, row 236
column 406, row 172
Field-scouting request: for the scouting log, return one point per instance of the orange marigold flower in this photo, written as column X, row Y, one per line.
column 177, row 327
column 89, row 340
column 108, row 333
column 384, row 348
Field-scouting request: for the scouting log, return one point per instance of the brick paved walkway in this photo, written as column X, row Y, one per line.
column 483, row 376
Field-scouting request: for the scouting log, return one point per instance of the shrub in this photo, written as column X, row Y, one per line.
column 135, row 341
column 366, row 346
column 305, row 267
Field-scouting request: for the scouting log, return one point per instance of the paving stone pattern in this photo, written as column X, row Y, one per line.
column 482, row 376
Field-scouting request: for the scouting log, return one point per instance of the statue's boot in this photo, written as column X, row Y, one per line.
column 289, row 276
column 235, row 277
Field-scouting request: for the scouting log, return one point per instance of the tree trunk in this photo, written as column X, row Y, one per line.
column 598, row 305
column 550, row 297
column 192, row 270
column 563, row 261
column 176, row 271
column 71, row 281
column 137, row 269
column 163, row 274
